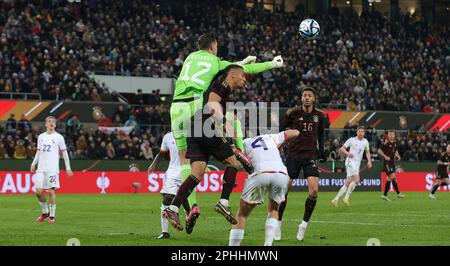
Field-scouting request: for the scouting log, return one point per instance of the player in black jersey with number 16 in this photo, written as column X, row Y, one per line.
column 304, row 152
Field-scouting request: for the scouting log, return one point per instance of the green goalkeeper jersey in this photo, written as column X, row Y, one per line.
column 200, row 68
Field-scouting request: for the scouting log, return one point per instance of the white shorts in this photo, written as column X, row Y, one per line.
column 171, row 185
column 274, row 184
column 352, row 169
column 46, row 180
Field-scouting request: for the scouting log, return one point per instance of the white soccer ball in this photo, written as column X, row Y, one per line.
column 309, row 29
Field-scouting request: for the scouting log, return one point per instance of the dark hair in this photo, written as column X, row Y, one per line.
column 205, row 41
column 222, row 74
column 360, row 127
column 308, row 89
column 391, row 130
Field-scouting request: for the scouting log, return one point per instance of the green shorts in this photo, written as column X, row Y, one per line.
column 180, row 117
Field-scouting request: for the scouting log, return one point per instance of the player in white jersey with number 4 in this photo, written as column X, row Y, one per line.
column 171, row 182
column 50, row 145
column 358, row 145
column 270, row 176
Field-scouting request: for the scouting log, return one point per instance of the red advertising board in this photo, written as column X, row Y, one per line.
column 415, row 181
column 12, row 182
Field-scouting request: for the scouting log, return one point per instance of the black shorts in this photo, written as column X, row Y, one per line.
column 388, row 168
column 201, row 148
column 294, row 167
column 441, row 175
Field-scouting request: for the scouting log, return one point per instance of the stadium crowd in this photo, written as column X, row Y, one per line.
column 362, row 63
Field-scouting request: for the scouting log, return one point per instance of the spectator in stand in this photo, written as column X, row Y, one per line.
column 123, row 152
column 139, row 98
column 31, row 150
column 110, row 151
column 92, row 151
column 73, row 125
column 102, row 151
column 3, row 152
column 131, row 122
column 20, row 151
column 11, row 123
column 398, row 65
column 23, row 124
column 122, row 113
column 95, row 96
column 146, row 151
column 104, row 121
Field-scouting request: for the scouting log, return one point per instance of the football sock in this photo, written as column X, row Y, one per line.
column 185, row 190
column 44, row 207
column 282, row 207
column 52, row 210
column 236, row 236
column 341, row 192
column 395, row 185
column 224, row 202
column 271, row 226
column 229, row 179
column 164, row 221
column 186, row 207
column 435, row 188
column 185, row 172
column 387, row 186
column 304, row 224
column 310, row 204
column 350, row 189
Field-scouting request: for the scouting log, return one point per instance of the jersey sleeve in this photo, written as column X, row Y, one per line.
column 39, row 143
column 62, row 144
column 248, row 69
column 279, row 138
column 164, row 146
column 347, row 143
column 247, row 144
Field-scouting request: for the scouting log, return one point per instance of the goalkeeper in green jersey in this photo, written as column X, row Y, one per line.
column 197, row 73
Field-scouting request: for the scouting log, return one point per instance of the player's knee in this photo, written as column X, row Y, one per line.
column 233, row 162
column 167, row 199
column 314, row 192
column 39, row 192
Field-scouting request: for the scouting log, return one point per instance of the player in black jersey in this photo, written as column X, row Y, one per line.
column 304, row 152
column 441, row 172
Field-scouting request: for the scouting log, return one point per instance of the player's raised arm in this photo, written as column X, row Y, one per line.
column 255, row 68
column 291, row 134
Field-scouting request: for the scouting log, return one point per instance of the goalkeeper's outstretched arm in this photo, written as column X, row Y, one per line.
column 255, row 68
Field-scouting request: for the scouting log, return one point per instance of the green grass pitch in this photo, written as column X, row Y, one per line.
column 134, row 219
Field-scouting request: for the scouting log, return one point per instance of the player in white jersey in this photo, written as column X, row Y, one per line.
column 171, row 181
column 270, row 176
column 50, row 145
column 358, row 145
